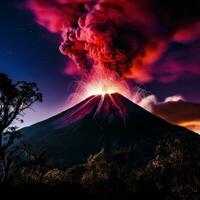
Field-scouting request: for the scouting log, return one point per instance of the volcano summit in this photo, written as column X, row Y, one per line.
column 110, row 122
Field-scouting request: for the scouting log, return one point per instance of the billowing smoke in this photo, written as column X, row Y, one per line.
column 125, row 36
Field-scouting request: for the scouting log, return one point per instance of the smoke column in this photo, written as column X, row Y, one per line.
column 123, row 36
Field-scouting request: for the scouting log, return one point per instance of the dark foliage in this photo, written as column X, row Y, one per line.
column 173, row 173
column 14, row 99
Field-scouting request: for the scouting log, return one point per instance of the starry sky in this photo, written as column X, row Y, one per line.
column 30, row 52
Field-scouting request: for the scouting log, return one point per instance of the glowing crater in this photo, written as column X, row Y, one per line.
column 100, row 82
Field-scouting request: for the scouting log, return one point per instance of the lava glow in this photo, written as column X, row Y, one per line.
column 105, row 84
column 100, row 82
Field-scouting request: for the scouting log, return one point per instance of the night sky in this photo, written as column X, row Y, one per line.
column 30, row 52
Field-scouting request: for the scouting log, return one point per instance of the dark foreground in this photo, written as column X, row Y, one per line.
column 171, row 173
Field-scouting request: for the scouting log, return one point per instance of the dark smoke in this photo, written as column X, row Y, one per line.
column 126, row 36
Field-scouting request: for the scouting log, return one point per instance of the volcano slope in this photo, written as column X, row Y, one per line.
column 110, row 122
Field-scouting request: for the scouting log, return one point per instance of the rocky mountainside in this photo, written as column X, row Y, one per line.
column 110, row 122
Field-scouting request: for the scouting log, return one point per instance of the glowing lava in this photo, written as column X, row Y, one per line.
column 99, row 82
column 105, row 84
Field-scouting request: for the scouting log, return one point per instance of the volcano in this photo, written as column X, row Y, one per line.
column 110, row 122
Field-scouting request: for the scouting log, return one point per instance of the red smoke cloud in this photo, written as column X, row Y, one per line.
column 56, row 15
column 188, row 33
column 183, row 63
column 125, row 36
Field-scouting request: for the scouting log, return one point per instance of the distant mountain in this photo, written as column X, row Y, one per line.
column 110, row 122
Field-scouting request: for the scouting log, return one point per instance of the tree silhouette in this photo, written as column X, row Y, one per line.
column 14, row 99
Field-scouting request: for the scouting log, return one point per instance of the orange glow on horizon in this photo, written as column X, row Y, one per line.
column 193, row 126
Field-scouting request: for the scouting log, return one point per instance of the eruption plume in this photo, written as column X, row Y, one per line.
column 101, row 82
column 124, row 36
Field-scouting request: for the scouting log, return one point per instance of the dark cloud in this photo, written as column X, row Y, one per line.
column 178, row 112
column 175, row 110
column 183, row 113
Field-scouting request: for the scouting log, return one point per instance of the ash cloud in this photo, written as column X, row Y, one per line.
column 125, row 36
